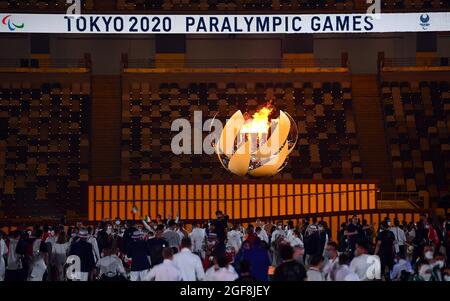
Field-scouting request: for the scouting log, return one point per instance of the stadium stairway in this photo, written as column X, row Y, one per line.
column 396, row 204
column 106, row 130
column 370, row 129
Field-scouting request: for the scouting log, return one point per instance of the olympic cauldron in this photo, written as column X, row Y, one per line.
column 256, row 146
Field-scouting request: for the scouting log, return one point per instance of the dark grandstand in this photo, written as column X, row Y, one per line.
column 81, row 111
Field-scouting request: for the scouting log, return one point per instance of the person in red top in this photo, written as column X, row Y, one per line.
column 447, row 239
column 432, row 234
column 46, row 233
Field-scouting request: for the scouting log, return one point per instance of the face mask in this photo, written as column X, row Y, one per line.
column 388, row 223
column 428, row 255
column 109, row 230
column 320, row 228
column 327, row 254
column 117, row 222
column 427, row 227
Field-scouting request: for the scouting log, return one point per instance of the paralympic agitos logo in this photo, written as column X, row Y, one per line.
column 12, row 26
column 425, row 21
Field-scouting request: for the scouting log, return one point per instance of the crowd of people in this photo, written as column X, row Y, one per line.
column 163, row 250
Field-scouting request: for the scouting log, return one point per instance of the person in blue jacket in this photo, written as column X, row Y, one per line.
column 259, row 259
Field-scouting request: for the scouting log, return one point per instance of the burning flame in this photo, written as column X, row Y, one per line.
column 259, row 123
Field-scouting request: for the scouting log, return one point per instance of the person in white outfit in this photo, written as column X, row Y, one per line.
column 401, row 264
column 278, row 232
column 295, row 239
column 60, row 249
column 198, row 238
column 38, row 265
column 179, row 230
column 14, row 261
column 262, row 234
column 166, row 271
column 362, row 261
column 332, row 260
column 93, row 241
column 425, row 267
column 400, row 238
column 221, row 271
column 189, row 263
column 49, row 242
column 315, row 269
column 235, row 239
column 289, row 228
column 171, row 235
column 3, row 252
column 110, row 265
column 342, row 271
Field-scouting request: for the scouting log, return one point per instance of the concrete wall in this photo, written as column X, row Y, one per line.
column 14, row 46
column 239, row 47
column 443, row 45
column 106, row 49
column 363, row 49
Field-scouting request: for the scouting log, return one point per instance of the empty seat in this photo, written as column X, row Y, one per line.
column 325, row 131
column 418, row 133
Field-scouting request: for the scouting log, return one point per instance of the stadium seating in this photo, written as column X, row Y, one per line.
column 414, row 4
column 44, row 145
column 42, row 5
column 224, row 5
column 230, row 5
column 327, row 147
column 284, row 5
column 417, row 118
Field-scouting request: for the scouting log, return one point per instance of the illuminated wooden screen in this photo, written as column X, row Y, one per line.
column 238, row 200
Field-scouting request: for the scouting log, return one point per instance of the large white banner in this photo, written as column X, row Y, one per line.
column 224, row 24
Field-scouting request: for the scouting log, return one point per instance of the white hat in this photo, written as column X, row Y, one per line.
column 137, row 234
column 83, row 233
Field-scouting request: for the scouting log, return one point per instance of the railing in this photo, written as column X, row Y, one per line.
column 234, row 63
column 414, row 198
column 408, row 62
column 39, row 63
